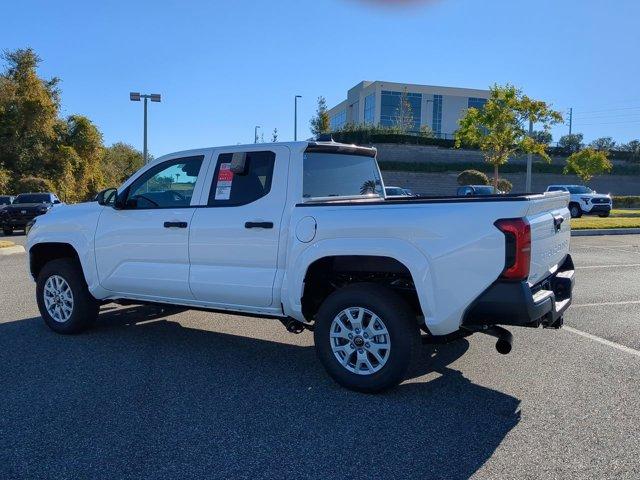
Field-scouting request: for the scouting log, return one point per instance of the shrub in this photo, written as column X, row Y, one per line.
column 626, row 202
column 504, row 185
column 472, row 177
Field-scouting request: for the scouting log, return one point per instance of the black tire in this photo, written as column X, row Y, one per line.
column 7, row 231
column 85, row 308
column 575, row 210
column 400, row 322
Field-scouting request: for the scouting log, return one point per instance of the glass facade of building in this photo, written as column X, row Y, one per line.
column 476, row 102
column 436, row 124
column 370, row 109
column 338, row 120
column 390, row 108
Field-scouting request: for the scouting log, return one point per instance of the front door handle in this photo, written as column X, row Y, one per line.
column 258, row 225
column 175, row 224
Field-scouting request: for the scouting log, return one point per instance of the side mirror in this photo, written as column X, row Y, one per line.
column 238, row 163
column 107, row 196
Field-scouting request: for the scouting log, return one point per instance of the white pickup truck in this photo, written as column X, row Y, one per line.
column 302, row 232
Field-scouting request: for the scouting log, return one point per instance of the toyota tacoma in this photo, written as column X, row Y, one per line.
column 302, row 232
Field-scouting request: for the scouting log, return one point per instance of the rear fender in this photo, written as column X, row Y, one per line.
column 400, row 250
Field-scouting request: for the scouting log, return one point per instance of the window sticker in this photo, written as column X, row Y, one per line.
column 225, row 179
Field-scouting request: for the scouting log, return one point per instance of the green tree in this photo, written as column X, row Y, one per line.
column 571, row 143
column 499, row 130
column 472, row 177
column 587, row 163
column 542, row 136
column 603, row 143
column 28, row 114
column 403, row 117
column 320, row 122
column 119, row 162
column 31, row 184
column 634, row 147
column 5, row 180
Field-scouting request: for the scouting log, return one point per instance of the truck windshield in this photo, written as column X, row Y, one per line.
column 32, row 198
column 579, row 189
column 339, row 175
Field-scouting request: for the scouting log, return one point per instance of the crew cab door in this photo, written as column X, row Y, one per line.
column 142, row 247
column 233, row 241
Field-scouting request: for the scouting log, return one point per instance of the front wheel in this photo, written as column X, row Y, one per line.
column 63, row 298
column 366, row 337
column 575, row 210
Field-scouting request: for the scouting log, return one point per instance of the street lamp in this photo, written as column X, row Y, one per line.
column 255, row 134
column 135, row 97
column 295, row 117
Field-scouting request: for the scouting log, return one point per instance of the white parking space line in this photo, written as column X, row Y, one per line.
column 626, row 302
column 609, row 266
column 603, row 341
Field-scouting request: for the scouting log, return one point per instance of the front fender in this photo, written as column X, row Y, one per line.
column 75, row 226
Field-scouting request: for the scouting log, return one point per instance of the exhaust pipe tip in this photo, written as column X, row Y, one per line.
column 503, row 346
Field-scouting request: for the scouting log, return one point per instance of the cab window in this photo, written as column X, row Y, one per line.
column 235, row 189
column 167, row 185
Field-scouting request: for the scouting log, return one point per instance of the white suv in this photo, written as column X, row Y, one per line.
column 584, row 201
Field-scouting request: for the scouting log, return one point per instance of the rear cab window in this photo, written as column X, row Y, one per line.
column 328, row 175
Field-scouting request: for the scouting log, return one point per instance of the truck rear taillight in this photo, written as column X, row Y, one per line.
column 517, row 233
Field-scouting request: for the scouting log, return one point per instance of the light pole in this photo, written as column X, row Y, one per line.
column 255, row 134
column 135, row 97
column 295, row 117
column 529, row 161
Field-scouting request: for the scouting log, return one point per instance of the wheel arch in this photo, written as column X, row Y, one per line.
column 397, row 257
column 42, row 253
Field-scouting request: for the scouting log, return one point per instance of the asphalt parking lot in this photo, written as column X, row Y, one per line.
column 152, row 393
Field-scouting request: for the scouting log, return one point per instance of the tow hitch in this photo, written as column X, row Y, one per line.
column 505, row 339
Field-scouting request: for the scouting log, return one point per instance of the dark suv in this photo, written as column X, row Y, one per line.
column 25, row 208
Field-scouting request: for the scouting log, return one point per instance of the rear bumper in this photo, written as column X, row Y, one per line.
column 518, row 304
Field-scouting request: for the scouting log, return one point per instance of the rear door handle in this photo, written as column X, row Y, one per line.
column 175, row 224
column 258, row 225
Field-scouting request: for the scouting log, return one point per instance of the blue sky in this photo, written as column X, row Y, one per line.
column 224, row 67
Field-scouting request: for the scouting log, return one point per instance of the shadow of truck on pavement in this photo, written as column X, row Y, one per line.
column 159, row 400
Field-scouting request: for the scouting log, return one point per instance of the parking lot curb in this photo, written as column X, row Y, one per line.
column 12, row 250
column 605, row 231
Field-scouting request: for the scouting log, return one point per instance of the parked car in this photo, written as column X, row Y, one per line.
column 397, row 192
column 6, row 200
column 584, row 201
column 473, row 190
column 25, row 208
column 301, row 232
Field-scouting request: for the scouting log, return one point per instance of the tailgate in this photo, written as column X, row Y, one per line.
column 549, row 218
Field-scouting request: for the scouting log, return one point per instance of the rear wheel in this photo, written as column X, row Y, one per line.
column 575, row 210
column 63, row 298
column 366, row 337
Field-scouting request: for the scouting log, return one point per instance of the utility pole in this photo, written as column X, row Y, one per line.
column 570, row 119
column 295, row 117
column 255, row 134
column 529, row 161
